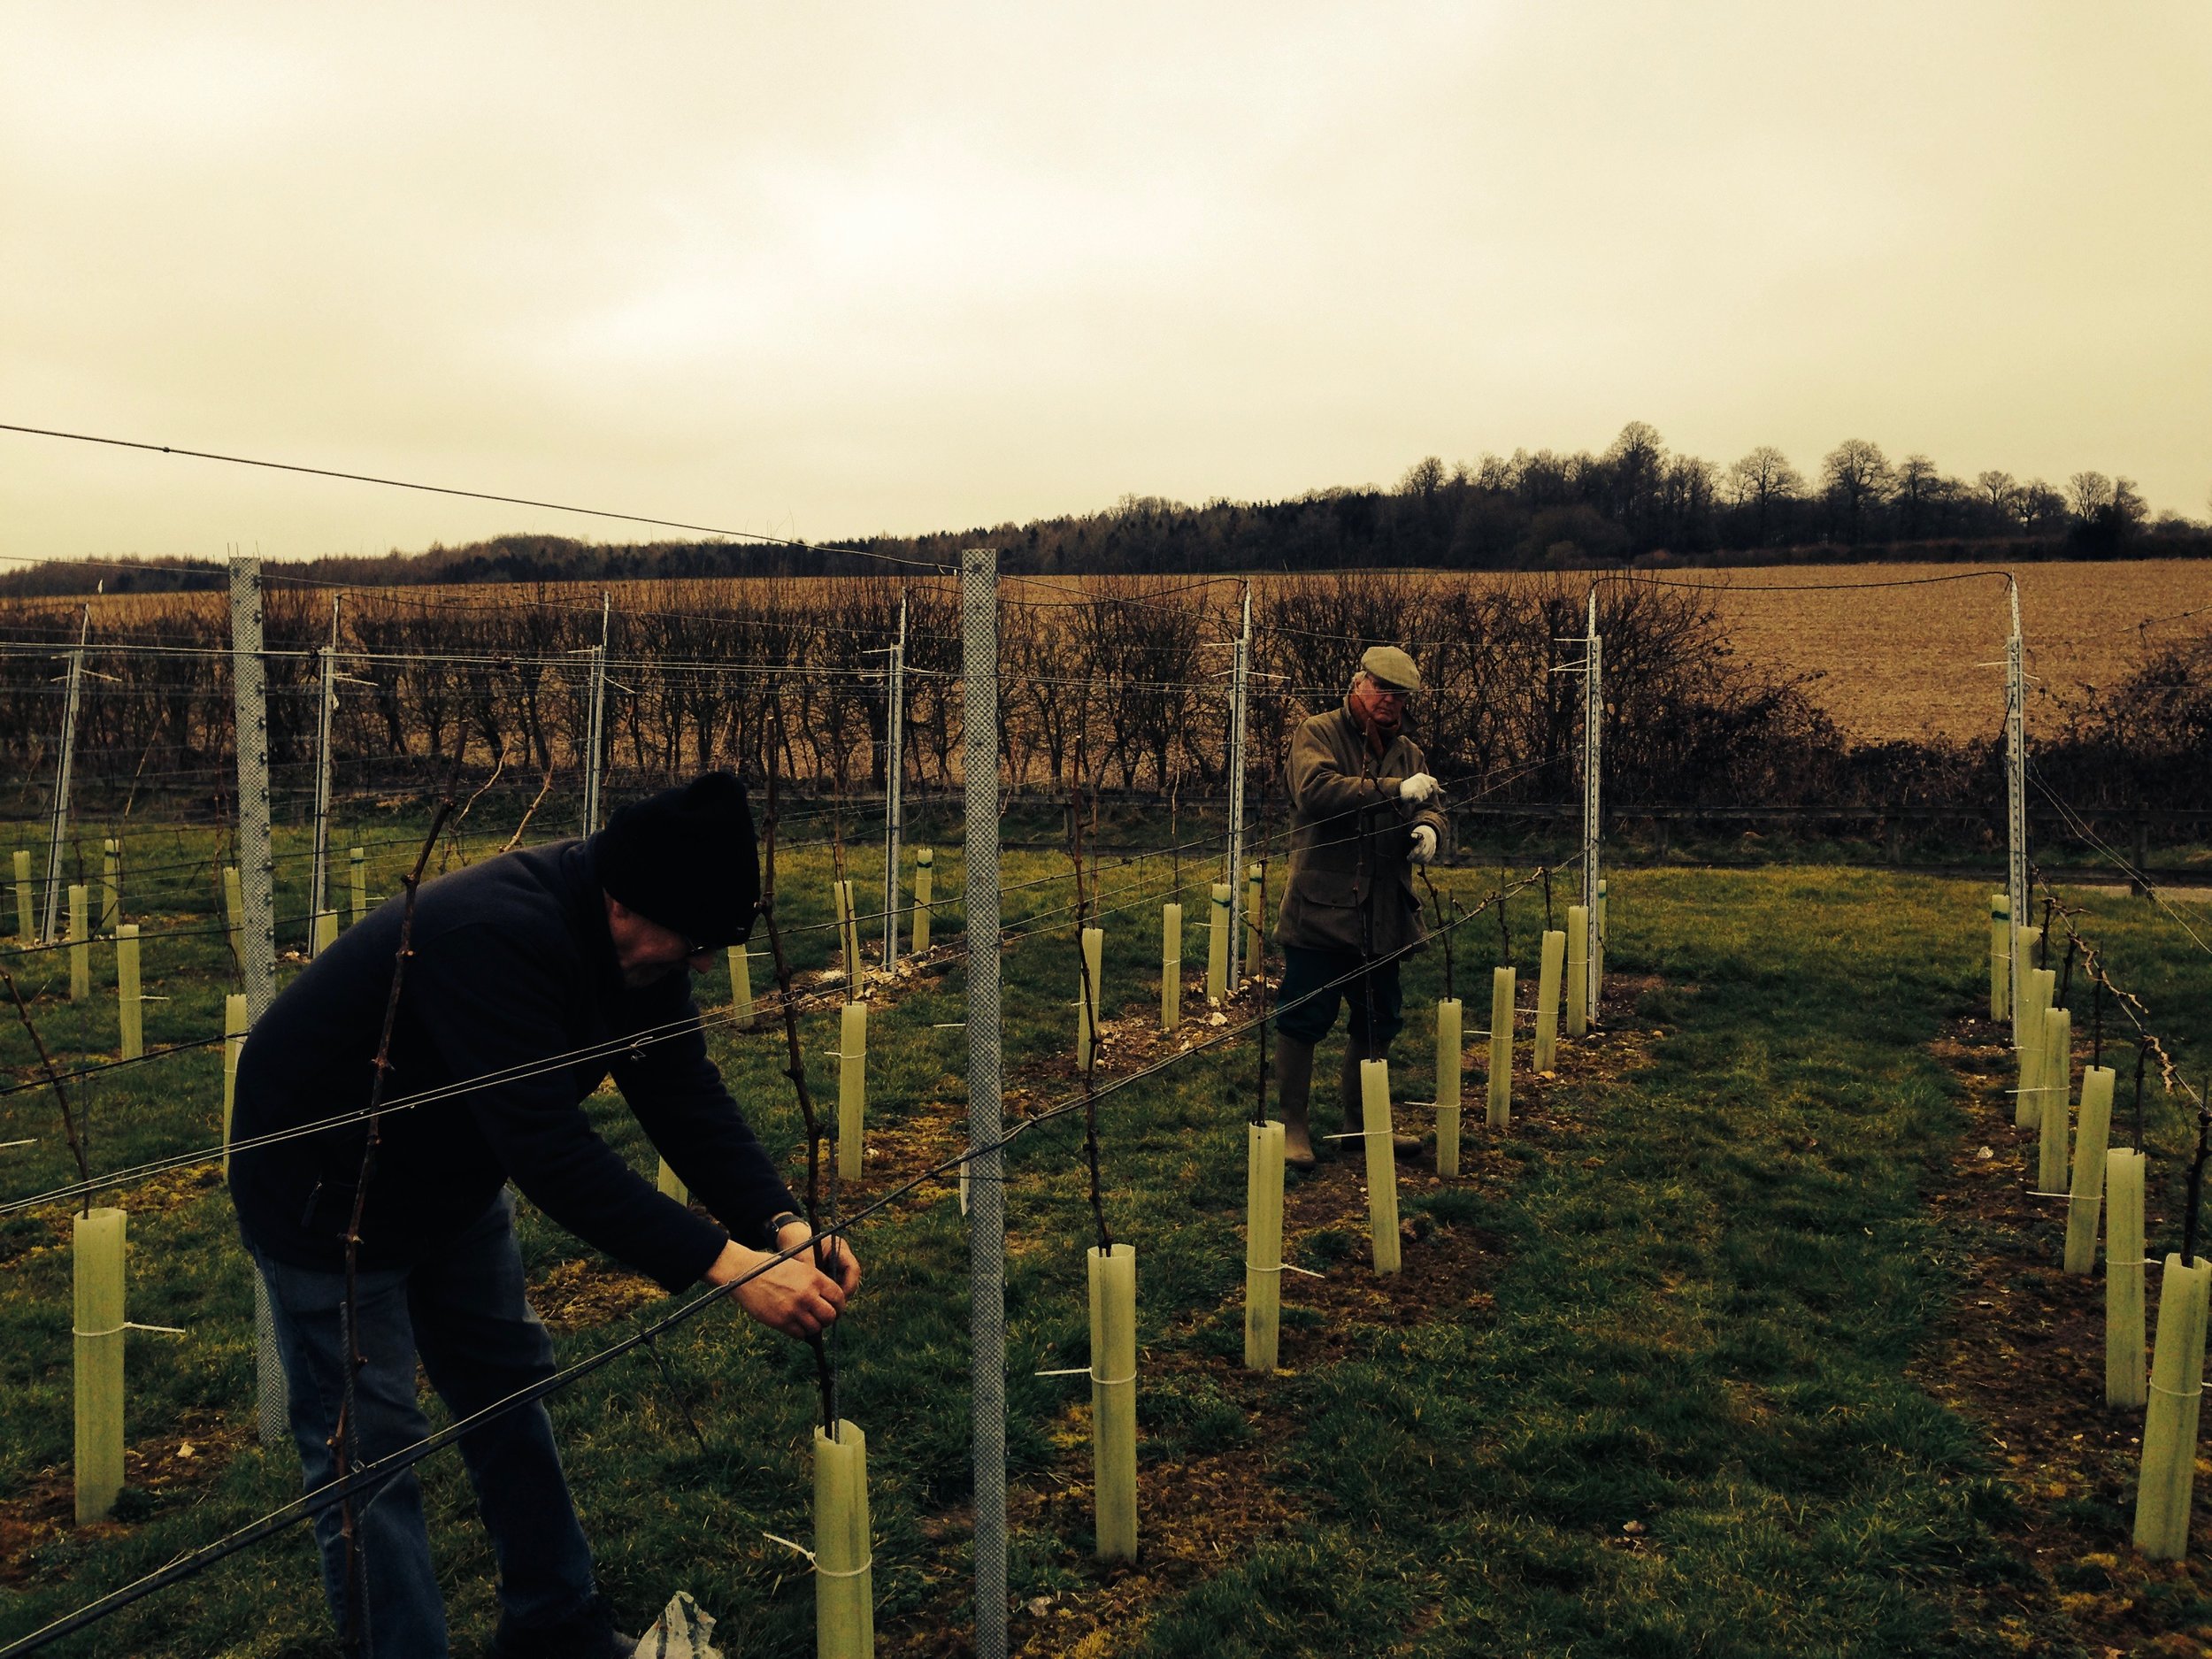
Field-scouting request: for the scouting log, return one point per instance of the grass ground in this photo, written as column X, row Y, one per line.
column 1692, row 1359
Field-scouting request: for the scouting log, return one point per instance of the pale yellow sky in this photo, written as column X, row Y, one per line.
column 828, row 271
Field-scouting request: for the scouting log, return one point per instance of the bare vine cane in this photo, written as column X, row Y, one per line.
column 2196, row 1176
column 53, row 1076
column 1090, row 994
column 2044, row 941
column 1505, row 929
column 2142, row 1052
column 545, row 789
column 1259, row 1099
column 1368, row 755
column 2066, row 970
column 825, row 1375
column 342, row 1439
column 454, row 855
column 1545, row 872
column 1259, row 1106
column 1443, row 932
column 2096, row 1014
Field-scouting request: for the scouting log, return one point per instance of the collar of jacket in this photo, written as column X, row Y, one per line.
column 1359, row 731
column 586, row 905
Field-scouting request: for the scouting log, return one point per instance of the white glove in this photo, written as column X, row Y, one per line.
column 1423, row 844
column 1417, row 788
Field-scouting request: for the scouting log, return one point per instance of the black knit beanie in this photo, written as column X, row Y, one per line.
column 686, row 859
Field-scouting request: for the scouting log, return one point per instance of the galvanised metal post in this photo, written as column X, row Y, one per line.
column 893, row 790
column 318, row 881
column 2016, row 799
column 257, row 885
column 71, row 702
column 1239, row 683
column 595, row 726
column 986, row 1121
column 1593, row 799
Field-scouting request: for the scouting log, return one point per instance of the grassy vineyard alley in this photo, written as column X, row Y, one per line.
column 1707, row 1354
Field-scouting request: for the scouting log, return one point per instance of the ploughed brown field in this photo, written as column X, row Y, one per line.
column 1904, row 662
column 1905, row 651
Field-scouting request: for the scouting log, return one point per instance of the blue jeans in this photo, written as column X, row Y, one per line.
column 1378, row 1005
column 463, row 1313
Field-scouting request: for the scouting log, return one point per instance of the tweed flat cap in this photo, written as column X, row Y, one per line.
column 1391, row 668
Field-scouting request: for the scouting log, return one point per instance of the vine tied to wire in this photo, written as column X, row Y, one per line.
column 794, row 1067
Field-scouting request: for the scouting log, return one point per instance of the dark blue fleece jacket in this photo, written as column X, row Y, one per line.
column 512, row 964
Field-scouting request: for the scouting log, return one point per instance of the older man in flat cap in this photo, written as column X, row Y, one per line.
column 1365, row 813
column 529, row 978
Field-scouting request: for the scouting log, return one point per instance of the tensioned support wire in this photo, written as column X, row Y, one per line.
column 977, row 1154
column 753, row 536
column 2131, row 1008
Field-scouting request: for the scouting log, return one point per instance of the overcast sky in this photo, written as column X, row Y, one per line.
column 827, row 271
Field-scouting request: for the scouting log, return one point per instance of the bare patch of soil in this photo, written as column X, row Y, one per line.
column 587, row 1291
column 189, row 1454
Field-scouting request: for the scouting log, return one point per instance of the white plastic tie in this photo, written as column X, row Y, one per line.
column 2177, row 1393
column 4, row 1145
column 1084, row 1371
column 815, row 1561
column 132, row 1325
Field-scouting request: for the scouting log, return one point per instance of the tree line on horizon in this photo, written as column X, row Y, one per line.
column 1634, row 502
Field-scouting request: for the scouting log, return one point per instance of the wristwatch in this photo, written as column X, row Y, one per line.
column 777, row 1222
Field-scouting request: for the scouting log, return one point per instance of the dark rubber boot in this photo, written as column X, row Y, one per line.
column 591, row 1635
column 1294, row 1084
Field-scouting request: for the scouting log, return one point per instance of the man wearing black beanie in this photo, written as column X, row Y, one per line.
column 531, row 977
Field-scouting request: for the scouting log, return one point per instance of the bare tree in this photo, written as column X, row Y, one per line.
column 1858, row 480
column 2086, row 491
column 1764, row 483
